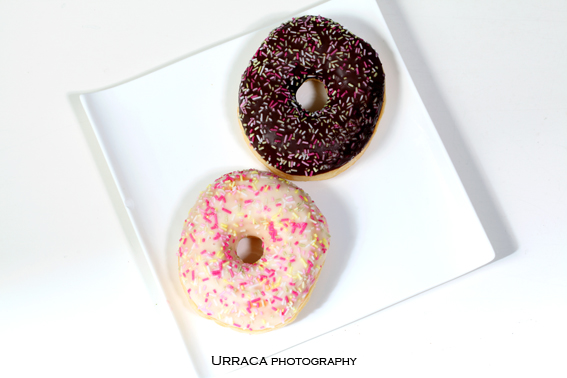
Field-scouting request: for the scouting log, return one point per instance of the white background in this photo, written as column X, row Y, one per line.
column 76, row 298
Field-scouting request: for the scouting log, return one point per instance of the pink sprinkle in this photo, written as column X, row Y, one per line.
column 255, row 300
column 237, row 325
column 205, row 279
column 295, row 293
column 192, row 238
column 226, row 210
column 278, row 298
column 193, row 275
column 275, row 309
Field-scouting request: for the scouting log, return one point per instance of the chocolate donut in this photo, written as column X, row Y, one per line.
column 290, row 140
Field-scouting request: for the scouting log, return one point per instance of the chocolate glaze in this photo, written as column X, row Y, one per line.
column 290, row 138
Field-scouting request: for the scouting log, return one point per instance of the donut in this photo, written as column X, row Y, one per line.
column 291, row 141
column 269, row 293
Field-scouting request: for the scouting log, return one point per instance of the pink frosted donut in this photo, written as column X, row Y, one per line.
column 271, row 292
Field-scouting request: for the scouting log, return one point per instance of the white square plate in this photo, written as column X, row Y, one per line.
column 400, row 220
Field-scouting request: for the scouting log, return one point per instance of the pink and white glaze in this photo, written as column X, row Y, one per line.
column 269, row 293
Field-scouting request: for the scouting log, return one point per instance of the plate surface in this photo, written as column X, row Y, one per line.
column 400, row 220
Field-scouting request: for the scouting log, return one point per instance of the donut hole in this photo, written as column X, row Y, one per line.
column 250, row 249
column 312, row 95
